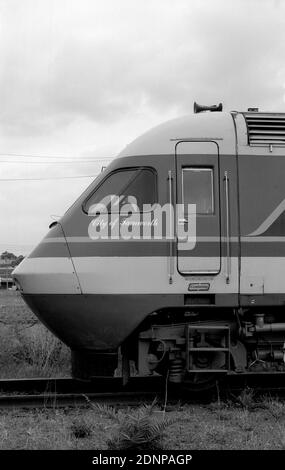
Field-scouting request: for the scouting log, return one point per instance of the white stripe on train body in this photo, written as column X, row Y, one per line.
column 147, row 275
column 107, row 275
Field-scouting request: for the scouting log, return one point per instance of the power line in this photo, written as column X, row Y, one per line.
column 48, row 179
column 27, row 155
column 51, row 162
column 16, row 244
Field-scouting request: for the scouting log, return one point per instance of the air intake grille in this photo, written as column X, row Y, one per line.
column 265, row 128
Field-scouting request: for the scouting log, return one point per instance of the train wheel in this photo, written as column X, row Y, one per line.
column 200, row 381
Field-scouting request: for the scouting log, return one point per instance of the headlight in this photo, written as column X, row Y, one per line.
column 17, row 284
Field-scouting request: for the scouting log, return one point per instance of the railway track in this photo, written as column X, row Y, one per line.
column 69, row 385
column 53, row 400
column 63, row 392
column 55, row 392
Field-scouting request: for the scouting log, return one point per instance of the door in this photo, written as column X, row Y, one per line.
column 198, row 196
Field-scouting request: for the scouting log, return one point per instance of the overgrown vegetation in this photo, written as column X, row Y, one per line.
column 80, row 429
column 27, row 348
column 277, row 411
column 138, row 430
column 41, row 351
column 246, row 399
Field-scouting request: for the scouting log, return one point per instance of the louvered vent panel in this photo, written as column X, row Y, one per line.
column 265, row 128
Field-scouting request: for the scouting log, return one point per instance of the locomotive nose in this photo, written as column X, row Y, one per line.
column 47, row 281
column 48, row 269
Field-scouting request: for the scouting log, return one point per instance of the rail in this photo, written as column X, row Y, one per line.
column 54, row 392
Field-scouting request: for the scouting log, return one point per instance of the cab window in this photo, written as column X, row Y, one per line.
column 140, row 183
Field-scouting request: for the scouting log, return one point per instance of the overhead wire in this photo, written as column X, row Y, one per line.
column 68, row 161
column 51, row 162
column 60, row 157
column 49, row 179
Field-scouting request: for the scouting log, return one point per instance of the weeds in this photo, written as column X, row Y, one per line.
column 27, row 348
column 282, row 437
column 275, row 408
column 80, row 429
column 40, row 349
column 31, row 351
column 243, row 420
column 246, row 399
column 136, row 430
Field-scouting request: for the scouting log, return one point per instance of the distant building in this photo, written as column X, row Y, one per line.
column 7, row 263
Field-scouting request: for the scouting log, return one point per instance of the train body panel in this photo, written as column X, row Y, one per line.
column 96, row 322
column 262, row 219
column 203, row 127
column 224, row 282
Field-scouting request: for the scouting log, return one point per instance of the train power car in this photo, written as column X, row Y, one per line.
column 174, row 256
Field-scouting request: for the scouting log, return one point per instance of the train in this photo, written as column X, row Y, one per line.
column 172, row 262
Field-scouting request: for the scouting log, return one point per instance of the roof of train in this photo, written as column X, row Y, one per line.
column 256, row 133
column 161, row 139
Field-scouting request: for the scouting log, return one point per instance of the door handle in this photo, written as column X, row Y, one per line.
column 182, row 221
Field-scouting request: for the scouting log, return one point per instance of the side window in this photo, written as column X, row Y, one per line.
column 197, row 188
column 137, row 182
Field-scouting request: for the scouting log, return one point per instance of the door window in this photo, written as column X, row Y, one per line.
column 197, row 188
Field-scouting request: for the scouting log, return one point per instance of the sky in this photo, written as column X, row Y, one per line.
column 80, row 79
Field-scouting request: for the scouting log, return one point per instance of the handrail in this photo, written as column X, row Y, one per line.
column 170, row 258
column 226, row 180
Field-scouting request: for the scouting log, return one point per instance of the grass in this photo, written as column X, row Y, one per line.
column 27, row 348
column 195, row 427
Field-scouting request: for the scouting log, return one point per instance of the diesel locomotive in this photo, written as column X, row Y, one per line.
column 173, row 259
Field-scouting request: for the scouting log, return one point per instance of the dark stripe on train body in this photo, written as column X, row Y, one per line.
column 262, row 300
column 50, row 250
column 156, row 248
column 120, row 248
column 274, row 249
